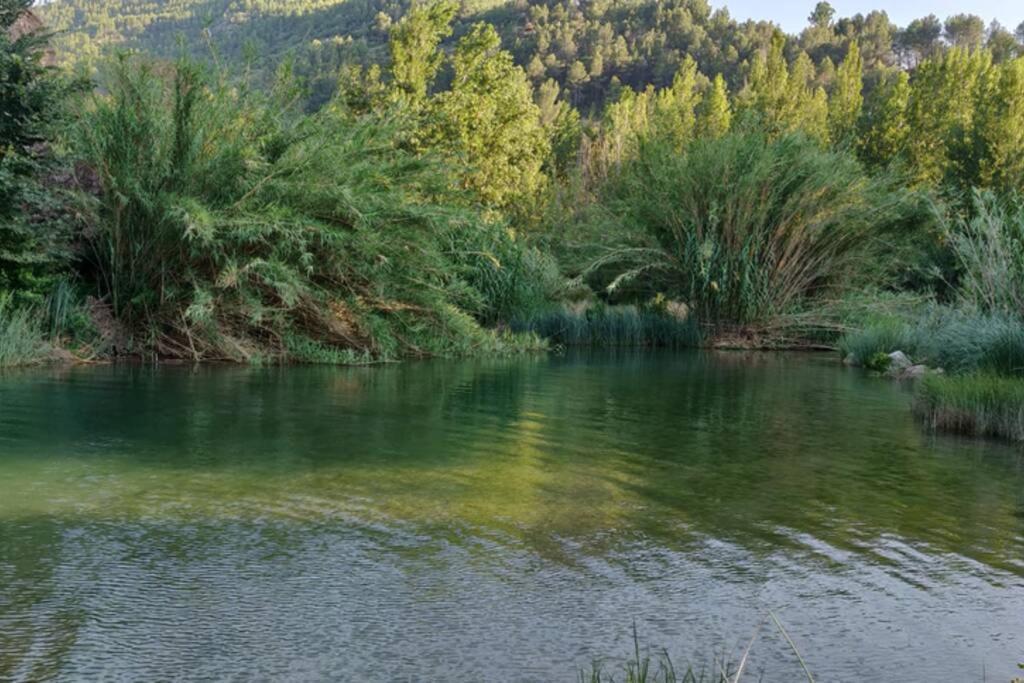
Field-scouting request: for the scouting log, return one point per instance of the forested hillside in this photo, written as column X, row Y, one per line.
column 588, row 48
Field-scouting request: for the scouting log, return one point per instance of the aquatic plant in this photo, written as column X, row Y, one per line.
column 21, row 335
column 612, row 326
column 976, row 404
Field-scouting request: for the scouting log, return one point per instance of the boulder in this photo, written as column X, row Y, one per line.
column 899, row 361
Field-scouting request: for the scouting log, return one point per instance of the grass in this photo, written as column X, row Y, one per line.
column 612, row 326
column 645, row 668
column 21, row 336
column 975, row 404
column 943, row 337
column 746, row 228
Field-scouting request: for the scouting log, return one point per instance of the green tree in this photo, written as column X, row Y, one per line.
column 31, row 215
column 715, row 117
column 847, row 98
column 415, row 58
column 488, row 118
column 675, row 107
column 965, row 30
column 941, row 113
column 999, row 129
column 884, row 125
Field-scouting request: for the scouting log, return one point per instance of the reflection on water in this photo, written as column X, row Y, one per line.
column 499, row 520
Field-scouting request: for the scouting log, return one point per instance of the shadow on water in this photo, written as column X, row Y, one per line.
column 517, row 511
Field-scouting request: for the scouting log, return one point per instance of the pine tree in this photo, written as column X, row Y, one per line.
column 715, row 117
column 847, row 98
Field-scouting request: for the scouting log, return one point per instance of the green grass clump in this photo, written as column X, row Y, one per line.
column 746, row 228
column 613, row 326
column 877, row 340
column 22, row 339
column 976, row 404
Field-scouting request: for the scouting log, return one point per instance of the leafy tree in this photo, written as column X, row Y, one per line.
column 847, row 98
column 999, row 129
column 884, row 131
column 920, row 39
column 715, row 116
column 488, row 117
column 675, row 108
column 941, row 112
column 415, row 58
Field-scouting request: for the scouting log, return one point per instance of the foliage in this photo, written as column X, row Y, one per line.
column 988, row 248
column 612, row 326
column 745, row 228
column 976, row 404
column 33, row 226
column 21, row 335
column 232, row 227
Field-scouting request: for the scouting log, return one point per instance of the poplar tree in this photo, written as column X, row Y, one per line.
column 885, row 130
column 847, row 99
column 999, row 128
column 715, row 117
column 675, row 107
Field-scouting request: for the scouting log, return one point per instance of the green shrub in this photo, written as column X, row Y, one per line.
column 976, row 404
column 988, row 248
column 746, row 229
column 233, row 226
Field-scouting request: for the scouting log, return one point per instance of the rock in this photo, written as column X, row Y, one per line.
column 899, row 361
column 914, row 372
column 850, row 359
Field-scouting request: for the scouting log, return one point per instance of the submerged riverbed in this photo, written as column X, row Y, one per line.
column 498, row 520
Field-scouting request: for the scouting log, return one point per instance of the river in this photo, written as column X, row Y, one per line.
column 500, row 520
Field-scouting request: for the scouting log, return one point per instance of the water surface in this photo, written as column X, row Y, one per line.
column 498, row 520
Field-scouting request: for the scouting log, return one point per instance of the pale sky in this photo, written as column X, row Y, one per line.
column 792, row 16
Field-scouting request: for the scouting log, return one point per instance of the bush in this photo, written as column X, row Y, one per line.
column 746, row 229
column 989, row 251
column 233, row 226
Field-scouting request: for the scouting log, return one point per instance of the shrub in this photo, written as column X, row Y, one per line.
column 234, row 226
column 988, row 248
column 745, row 228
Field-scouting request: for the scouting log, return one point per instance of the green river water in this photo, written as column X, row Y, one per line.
column 500, row 520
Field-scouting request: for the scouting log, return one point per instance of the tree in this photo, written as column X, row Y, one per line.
column 822, row 15
column 920, row 39
column 415, row 58
column 941, row 112
column 965, row 30
column 31, row 216
column 489, row 119
column 884, row 124
column 847, row 97
column 1001, row 43
column 675, row 107
column 999, row 128
column 715, row 116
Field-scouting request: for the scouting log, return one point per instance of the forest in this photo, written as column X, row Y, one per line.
column 362, row 182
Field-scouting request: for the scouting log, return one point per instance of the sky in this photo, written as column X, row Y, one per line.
column 792, row 16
